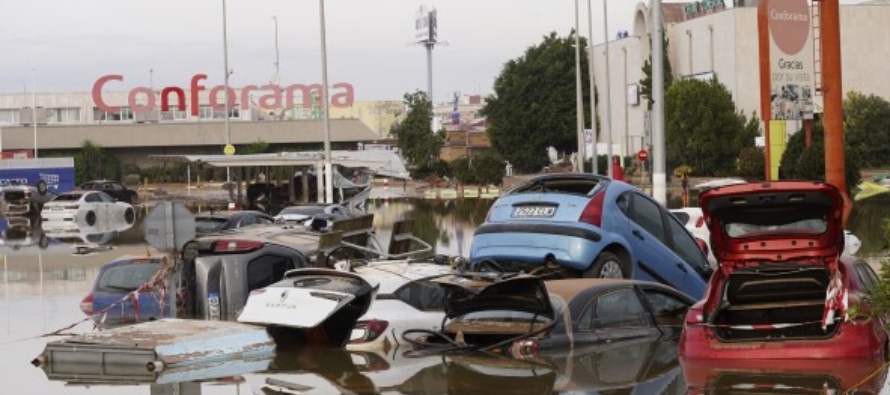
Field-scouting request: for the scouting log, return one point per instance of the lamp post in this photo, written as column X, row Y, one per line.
column 607, row 81
column 34, row 109
column 226, row 79
column 579, row 97
column 328, row 171
column 594, row 136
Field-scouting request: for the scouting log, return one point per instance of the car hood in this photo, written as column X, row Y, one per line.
column 785, row 221
column 468, row 293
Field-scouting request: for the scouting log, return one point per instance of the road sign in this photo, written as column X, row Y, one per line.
column 169, row 226
column 642, row 155
column 229, row 149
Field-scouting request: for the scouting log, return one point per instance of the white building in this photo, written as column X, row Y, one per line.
column 723, row 42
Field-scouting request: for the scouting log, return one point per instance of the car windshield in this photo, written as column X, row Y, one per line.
column 127, row 277
column 575, row 186
column 68, row 198
column 308, row 210
column 512, row 316
column 757, row 222
column 209, row 223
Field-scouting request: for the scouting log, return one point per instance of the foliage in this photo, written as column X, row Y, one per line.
column 534, row 103
column 419, row 145
column 646, row 81
column 802, row 163
column 703, row 129
column 92, row 162
column 256, row 147
column 750, row 164
column 460, row 167
column 166, row 173
column 438, row 168
column 867, row 128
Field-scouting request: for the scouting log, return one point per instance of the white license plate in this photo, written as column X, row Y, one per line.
column 534, row 212
column 57, row 208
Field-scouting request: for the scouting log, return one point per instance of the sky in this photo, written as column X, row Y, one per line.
column 69, row 44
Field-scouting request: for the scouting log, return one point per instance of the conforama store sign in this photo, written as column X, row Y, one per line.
column 273, row 97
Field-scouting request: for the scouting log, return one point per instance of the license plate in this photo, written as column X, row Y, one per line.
column 534, row 212
column 57, row 208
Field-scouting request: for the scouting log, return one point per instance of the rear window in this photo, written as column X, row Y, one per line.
column 309, row 210
column 512, row 316
column 67, row 198
column 128, row 277
column 580, row 186
column 757, row 222
column 209, row 224
column 683, row 217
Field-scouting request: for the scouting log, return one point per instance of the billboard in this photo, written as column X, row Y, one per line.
column 425, row 25
column 791, row 59
column 57, row 173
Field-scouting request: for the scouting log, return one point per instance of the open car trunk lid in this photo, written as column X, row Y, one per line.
column 480, row 292
column 786, row 221
column 312, row 298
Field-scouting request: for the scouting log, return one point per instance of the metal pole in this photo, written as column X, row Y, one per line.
column 34, row 109
column 328, row 171
column 595, row 136
column 579, row 97
column 659, row 177
column 608, row 81
column 277, row 58
column 833, row 93
column 226, row 78
column 429, row 71
column 765, row 83
column 627, row 150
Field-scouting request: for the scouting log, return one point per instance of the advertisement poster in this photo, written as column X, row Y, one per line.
column 791, row 59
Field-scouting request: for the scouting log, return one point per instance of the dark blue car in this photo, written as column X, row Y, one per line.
column 595, row 227
column 114, row 299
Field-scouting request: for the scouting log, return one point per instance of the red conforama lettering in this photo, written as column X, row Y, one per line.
column 272, row 96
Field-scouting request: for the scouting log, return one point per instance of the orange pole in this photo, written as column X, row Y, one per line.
column 833, row 92
column 808, row 127
column 765, row 80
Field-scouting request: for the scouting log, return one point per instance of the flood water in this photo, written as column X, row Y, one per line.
column 42, row 287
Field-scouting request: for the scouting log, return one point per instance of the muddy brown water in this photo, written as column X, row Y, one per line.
column 40, row 292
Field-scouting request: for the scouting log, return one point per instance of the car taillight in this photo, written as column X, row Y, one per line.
column 237, row 245
column 700, row 222
column 525, row 348
column 593, row 212
column 72, row 207
column 86, row 305
column 369, row 330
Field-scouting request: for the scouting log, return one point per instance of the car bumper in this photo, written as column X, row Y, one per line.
column 58, row 216
column 532, row 243
column 863, row 341
column 18, row 209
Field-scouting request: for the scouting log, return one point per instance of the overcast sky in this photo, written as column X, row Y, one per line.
column 70, row 43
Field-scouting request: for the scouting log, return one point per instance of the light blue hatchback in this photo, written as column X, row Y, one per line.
column 595, row 226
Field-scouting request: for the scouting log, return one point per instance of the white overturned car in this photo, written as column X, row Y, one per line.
column 87, row 209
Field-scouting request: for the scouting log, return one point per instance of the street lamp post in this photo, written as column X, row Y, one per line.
column 226, row 79
column 607, row 81
column 34, row 109
column 579, row 97
column 328, row 171
column 594, row 136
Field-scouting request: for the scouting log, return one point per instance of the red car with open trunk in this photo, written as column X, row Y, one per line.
column 782, row 290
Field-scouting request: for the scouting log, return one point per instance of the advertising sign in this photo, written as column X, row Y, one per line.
column 425, row 28
column 791, row 59
column 58, row 179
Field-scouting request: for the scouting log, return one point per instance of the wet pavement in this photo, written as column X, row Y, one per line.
column 41, row 289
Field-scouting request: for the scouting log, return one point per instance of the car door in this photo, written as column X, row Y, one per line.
column 647, row 240
column 667, row 309
column 617, row 315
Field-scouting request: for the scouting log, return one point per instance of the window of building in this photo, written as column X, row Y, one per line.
column 174, row 114
column 9, row 116
column 207, row 112
column 63, row 115
column 124, row 114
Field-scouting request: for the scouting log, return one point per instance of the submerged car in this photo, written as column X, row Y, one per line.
column 529, row 316
column 783, row 288
column 87, row 208
column 114, row 299
column 22, row 199
column 305, row 213
column 223, row 221
column 115, row 189
column 593, row 226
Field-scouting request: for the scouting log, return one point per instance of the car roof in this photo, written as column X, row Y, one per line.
column 569, row 289
column 122, row 260
column 393, row 274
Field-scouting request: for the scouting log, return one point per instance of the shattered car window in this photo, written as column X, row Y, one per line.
column 750, row 223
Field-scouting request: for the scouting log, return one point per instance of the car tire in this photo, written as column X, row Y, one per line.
column 607, row 265
column 91, row 218
column 41, row 187
column 44, row 242
column 129, row 216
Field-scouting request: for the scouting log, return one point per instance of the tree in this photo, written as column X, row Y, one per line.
column 92, row 162
column 750, row 164
column 533, row 105
column 419, row 145
column 867, row 128
column 801, row 163
column 703, row 129
column 646, row 82
column 256, row 147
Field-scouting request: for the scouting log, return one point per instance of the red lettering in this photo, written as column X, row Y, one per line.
column 97, row 92
column 307, row 94
column 165, row 98
column 194, row 91
column 271, row 101
column 143, row 108
column 343, row 99
column 214, row 96
column 245, row 96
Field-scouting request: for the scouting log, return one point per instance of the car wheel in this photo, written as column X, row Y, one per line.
column 129, row 216
column 91, row 218
column 44, row 242
column 41, row 187
column 607, row 265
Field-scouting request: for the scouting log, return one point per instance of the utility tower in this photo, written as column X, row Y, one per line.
column 425, row 33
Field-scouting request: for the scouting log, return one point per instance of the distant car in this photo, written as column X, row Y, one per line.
column 694, row 221
column 303, row 214
column 19, row 232
column 87, row 209
column 594, row 227
column 529, row 316
column 222, row 221
column 21, row 199
column 407, row 299
column 783, row 287
column 113, row 298
column 114, row 189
